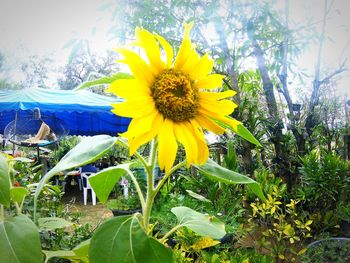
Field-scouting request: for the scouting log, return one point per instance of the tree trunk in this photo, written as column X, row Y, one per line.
column 277, row 124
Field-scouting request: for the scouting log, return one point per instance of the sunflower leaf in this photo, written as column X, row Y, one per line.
column 216, row 172
column 104, row 181
column 103, row 81
column 19, row 240
column 203, row 225
column 122, row 239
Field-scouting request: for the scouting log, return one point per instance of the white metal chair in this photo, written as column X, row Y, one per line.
column 86, row 186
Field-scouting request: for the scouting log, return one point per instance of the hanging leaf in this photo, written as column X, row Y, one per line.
column 246, row 134
column 104, row 181
column 52, row 223
column 4, row 182
column 103, row 80
column 19, row 241
column 87, row 151
column 122, row 239
column 216, row 172
column 241, row 131
column 203, row 225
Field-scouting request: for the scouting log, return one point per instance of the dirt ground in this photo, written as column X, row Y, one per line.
column 92, row 214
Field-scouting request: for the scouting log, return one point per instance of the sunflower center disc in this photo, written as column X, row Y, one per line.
column 174, row 95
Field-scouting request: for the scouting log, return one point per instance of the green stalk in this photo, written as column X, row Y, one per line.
column 18, row 209
column 164, row 238
column 2, row 213
column 150, row 185
column 138, row 188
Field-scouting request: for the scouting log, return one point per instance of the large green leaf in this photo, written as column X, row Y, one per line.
column 121, row 239
column 18, row 194
column 4, row 182
column 52, row 223
column 19, row 241
column 103, row 80
column 203, row 225
column 214, row 171
column 87, row 151
column 104, row 181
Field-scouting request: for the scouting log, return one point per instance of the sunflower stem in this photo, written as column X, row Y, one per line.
column 150, row 185
column 2, row 213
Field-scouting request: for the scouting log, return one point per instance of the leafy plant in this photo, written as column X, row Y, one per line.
column 122, row 203
column 282, row 226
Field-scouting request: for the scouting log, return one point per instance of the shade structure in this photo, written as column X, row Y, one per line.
column 83, row 112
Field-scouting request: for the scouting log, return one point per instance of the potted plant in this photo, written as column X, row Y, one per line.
column 124, row 206
column 343, row 212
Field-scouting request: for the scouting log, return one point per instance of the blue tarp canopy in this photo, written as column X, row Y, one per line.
column 83, row 112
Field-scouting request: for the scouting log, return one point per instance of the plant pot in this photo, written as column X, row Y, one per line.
column 328, row 250
column 345, row 228
column 117, row 212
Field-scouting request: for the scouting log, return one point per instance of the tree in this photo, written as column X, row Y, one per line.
column 84, row 66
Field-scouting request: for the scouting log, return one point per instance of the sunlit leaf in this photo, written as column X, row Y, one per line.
column 103, row 81
column 104, row 181
column 204, row 225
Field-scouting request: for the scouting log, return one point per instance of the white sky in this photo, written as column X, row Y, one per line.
column 44, row 26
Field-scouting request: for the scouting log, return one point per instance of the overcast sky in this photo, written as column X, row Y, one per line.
column 44, row 26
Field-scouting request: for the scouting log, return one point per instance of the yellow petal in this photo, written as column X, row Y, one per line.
column 186, row 138
column 191, row 62
column 203, row 151
column 212, row 81
column 217, row 95
column 167, row 146
column 209, row 125
column 185, row 48
column 224, row 107
column 203, row 67
column 129, row 89
column 219, row 117
column 134, row 108
column 147, row 41
column 167, row 48
column 144, row 137
column 140, row 125
column 137, row 65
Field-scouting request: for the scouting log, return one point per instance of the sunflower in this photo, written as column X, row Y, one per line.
column 172, row 100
